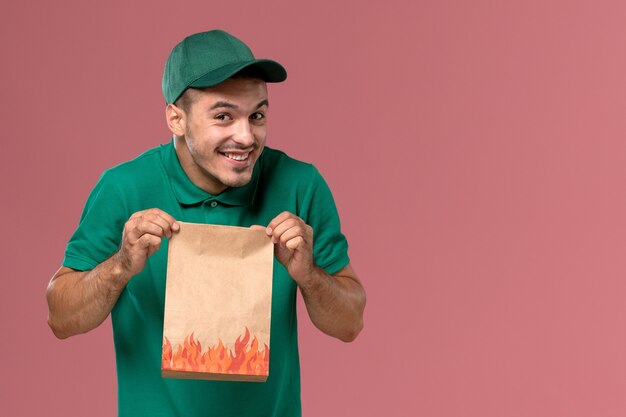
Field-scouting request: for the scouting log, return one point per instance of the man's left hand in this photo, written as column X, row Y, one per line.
column 335, row 302
column 293, row 243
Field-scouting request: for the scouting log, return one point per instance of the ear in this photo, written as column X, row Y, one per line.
column 176, row 119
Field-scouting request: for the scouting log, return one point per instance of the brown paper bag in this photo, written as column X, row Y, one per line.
column 218, row 299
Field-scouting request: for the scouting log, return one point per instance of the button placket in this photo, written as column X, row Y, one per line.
column 209, row 213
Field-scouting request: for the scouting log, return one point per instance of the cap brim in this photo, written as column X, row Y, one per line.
column 271, row 72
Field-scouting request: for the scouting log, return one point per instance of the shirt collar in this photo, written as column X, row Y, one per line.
column 187, row 193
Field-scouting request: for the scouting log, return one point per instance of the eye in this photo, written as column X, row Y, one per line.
column 223, row 117
column 257, row 116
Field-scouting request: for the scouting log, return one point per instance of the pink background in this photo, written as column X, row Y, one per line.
column 476, row 152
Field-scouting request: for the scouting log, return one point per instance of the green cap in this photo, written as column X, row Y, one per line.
column 206, row 59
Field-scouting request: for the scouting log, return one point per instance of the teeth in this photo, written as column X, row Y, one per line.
column 237, row 157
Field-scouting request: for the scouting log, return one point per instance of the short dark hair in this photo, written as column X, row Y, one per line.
column 185, row 100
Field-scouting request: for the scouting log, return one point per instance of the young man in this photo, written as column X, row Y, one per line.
column 216, row 170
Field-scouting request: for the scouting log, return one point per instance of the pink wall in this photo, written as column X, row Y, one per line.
column 476, row 152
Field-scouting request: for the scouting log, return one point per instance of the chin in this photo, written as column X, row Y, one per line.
column 237, row 182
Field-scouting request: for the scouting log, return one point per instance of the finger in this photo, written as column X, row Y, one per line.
column 171, row 221
column 296, row 243
column 167, row 222
column 153, row 248
column 152, row 227
column 278, row 220
column 150, row 242
column 140, row 226
column 157, row 217
column 293, row 233
column 281, row 228
column 257, row 227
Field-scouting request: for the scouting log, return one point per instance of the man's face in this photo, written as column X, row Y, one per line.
column 224, row 133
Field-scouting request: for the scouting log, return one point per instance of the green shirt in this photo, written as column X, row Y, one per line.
column 155, row 179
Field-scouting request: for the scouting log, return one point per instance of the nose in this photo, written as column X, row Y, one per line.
column 243, row 133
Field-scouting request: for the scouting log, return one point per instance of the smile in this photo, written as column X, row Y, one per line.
column 237, row 156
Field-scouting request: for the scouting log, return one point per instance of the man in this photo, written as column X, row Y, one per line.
column 216, row 170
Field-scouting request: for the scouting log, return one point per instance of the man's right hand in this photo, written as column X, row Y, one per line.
column 79, row 301
column 142, row 237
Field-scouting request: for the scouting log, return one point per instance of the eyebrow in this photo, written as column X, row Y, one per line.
column 229, row 105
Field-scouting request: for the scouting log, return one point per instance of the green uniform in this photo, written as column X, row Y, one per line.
column 155, row 179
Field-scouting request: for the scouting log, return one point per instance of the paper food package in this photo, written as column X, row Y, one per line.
column 218, row 300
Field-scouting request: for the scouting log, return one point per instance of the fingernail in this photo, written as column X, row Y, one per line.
column 268, row 230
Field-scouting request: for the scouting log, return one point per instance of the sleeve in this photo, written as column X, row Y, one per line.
column 100, row 229
column 330, row 247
